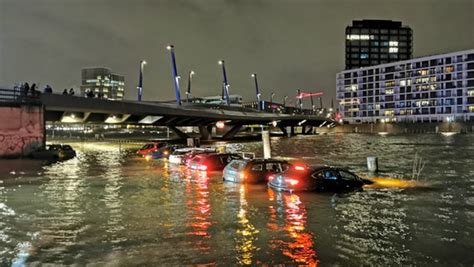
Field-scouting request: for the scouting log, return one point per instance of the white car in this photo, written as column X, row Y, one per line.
column 178, row 155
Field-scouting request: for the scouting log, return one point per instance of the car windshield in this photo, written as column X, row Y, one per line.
column 147, row 146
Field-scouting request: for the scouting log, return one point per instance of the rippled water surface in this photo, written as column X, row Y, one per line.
column 108, row 207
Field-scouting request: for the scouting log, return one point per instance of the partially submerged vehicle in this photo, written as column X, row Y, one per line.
column 211, row 161
column 179, row 155
column 163, row 152
column 254, row 170
column 318, row 178
column 55, row 152
column 150, row 148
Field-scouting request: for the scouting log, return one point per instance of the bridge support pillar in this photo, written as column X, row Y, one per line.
column 292, row 131
column 178, row 132
column 232, row 132
column 22, row 130
column 206, row 132
column 309, row 131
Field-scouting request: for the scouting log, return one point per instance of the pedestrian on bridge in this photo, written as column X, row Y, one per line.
column 71, row 91
column 65, row 92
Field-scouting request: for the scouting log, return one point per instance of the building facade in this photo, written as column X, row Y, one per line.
column 101, row 81
column 374, row 42
column 428, row 89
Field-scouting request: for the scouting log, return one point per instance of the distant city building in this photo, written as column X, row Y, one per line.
column 373, row 42
column 102, row 81
column 426, row 89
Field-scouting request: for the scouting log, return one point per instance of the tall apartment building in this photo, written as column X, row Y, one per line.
column 102, row 80
column 374, row 42
column 426, row 89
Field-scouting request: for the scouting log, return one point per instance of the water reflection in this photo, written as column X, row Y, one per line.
column 246, row 233
column 198, row 209
column 298, row 242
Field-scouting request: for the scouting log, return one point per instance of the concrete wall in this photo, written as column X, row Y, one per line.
column 21, row 130
column 459, row 127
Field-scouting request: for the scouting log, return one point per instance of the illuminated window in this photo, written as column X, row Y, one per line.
column 359, row 37
column 389, row 113
column 471, row 108
column 389, row 92
column 364, row 56
column 470, row 93
column 449, row 69
column 393, row 43
column 393, row 50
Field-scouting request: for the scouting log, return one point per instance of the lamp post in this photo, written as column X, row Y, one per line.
column 175, row 74
column 140, row 81
column 298, row 96
column 257, row 91
column 188, row 92
column 226, row 83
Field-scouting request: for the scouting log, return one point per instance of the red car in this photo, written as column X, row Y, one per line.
column 211, row 161
column 150, row 148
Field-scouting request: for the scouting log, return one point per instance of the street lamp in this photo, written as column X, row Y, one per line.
column 257, row 91
column 188, row 92
column 284, row 101
column 225, row 83
column 175, row 74
column 140, row 80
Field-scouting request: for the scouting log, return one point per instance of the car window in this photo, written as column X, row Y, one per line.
column 273, row 167
column 329, row 175
column 257, row 167
column 318, row 175
column 347, row 176
column 284, row 166
column 161, row 145
column 235, row 165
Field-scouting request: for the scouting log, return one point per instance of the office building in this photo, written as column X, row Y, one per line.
column 427, row 89
column 374, row 42
column 101, row 81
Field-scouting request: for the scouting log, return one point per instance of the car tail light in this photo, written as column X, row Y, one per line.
column 292, row 181
column 299, row 168
column 271, row 177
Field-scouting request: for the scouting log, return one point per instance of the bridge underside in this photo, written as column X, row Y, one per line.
column 79, row 110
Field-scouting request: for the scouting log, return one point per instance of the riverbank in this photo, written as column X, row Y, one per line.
column 402, row 128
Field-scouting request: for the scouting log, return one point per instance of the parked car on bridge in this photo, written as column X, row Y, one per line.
column 253, row 170
column 318, row 178
column 211, row 161
column 55, row 152
column 150, row 148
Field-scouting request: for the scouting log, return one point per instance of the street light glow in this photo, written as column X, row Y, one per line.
column 169, row 47
column 192, row 73
column 220, row 62
column 253, row 75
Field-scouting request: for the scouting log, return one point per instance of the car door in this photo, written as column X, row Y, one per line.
column 348, row 179
column 326, row 179
column 257, row 172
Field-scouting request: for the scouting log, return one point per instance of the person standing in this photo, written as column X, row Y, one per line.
column 65, row 92
column 71, row 91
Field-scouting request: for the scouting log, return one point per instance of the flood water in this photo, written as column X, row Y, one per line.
column 109, row 207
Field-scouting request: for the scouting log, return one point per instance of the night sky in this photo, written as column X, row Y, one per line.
column 291, row 44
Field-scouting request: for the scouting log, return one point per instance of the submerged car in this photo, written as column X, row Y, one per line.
column 178, row 156
column 55, row 152
column 211, row 161
column 150, row 148
column 253, row 170
column 163, row 152
column 319, row 178
column 190, row 155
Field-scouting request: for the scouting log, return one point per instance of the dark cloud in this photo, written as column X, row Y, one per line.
column 290, row 43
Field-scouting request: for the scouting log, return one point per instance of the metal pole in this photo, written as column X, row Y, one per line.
column 298, row 96
column 226, row 83
column 175, row 74
column 188, row 92
column 140, row 80
column 257, row 91
column 312, row 103
column 321, row 102
column 267, row 150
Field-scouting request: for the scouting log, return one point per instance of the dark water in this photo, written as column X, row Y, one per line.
column 108, row 207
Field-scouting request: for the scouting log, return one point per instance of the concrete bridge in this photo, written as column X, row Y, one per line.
column 23, row 117
column 72, row 109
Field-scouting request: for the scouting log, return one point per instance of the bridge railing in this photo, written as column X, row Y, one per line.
column 16, row 96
